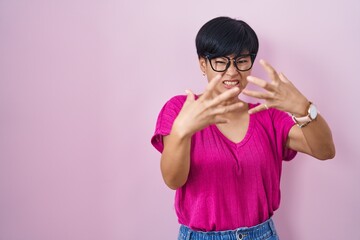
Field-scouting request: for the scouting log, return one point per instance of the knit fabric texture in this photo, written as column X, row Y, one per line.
column 230, row 185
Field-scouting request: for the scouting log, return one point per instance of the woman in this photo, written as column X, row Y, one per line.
column 223, row 156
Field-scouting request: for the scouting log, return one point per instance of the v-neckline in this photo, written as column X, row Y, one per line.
column 247, row 134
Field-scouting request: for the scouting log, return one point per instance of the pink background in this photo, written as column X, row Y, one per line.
column 82, row 82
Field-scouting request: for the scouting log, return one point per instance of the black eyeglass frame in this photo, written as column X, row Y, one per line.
column 252, row 56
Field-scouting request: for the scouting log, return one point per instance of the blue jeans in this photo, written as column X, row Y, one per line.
column 263, row 231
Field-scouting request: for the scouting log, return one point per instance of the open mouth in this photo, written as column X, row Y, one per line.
column 231, row 83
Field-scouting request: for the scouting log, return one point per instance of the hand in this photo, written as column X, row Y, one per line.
column 206, row 110
column 280, row 93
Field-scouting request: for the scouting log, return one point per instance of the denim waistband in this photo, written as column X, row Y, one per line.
column 259, row 232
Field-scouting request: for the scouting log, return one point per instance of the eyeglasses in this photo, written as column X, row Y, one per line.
column 242, row 63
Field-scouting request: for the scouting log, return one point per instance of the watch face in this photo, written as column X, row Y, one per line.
column 313, row 111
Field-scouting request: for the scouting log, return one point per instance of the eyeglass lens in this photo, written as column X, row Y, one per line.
column 221, row 64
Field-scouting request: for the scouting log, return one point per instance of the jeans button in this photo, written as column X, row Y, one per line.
column 240, row 236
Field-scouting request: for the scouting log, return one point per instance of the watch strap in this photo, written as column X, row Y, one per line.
column 301, row 124
column 303, row 121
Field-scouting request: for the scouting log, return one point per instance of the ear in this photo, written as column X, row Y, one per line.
column 203, row 65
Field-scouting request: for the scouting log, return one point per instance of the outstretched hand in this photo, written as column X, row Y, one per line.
column 280, row 93
column 208, row 109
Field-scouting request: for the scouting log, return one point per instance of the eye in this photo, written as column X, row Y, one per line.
column 220, row 62
column 242, row 61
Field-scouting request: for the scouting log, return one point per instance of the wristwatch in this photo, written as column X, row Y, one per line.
column 303, row 121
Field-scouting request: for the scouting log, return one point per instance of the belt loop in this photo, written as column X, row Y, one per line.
column 184, row 233
column 272, row 226
column 189, row 233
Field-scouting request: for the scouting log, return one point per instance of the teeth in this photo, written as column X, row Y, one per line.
column 232, row 83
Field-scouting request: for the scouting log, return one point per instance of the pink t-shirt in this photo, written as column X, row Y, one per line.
column 230, row 185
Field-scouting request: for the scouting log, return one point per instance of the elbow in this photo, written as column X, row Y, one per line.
column 173, row 187
column 325, row 157
column 174, row 180
column 332, row 154
column 328, row 154
column 174, row 184
column 174, row 176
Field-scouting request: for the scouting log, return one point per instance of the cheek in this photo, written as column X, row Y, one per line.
column 211, row 75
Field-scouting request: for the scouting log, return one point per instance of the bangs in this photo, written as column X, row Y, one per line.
column 225, row 36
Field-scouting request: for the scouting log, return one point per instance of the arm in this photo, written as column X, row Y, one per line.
column 175, row 159
column 194, row 116
column 315, row 139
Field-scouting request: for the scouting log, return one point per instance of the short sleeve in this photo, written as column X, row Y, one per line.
column 166, row 119
column 282, row 124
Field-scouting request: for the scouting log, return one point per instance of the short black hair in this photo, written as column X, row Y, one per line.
column 224, row 36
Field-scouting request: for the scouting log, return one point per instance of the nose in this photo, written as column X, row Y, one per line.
column 232, row 70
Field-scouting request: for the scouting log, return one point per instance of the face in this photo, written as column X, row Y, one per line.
column 230, row 78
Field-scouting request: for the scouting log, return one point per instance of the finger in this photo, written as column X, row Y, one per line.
column 190, row 96
column 270, row 70
column 227, row 109
column 258, row 108
column 283, row 78
column 256, row 94
column 220, row 120
column 266, row 106
column 224, row 97
column 211, row 86
column 260, row 82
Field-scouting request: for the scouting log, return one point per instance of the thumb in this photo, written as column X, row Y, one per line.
column 190, row 95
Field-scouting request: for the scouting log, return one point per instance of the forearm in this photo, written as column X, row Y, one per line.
column 314, row 139
column 175, row 160
column 319, row 139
